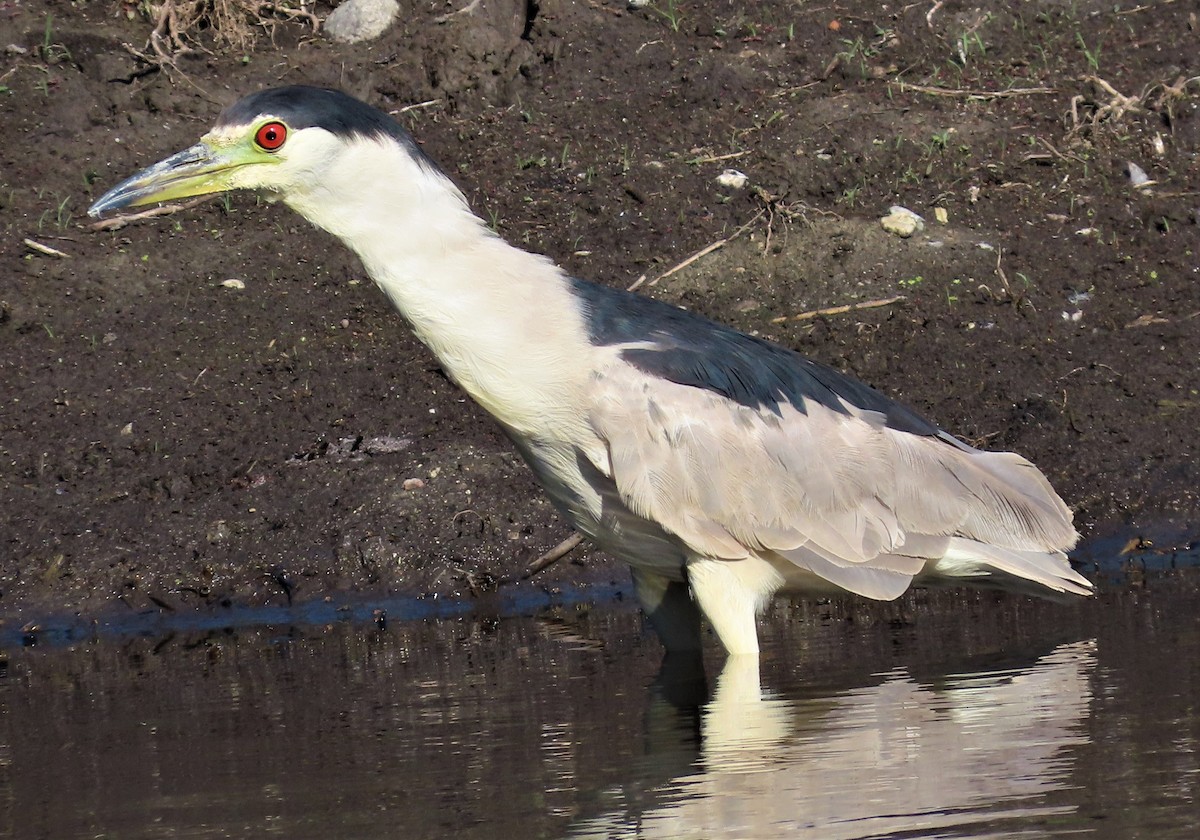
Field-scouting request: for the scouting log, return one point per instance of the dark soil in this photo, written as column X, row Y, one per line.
column 169, row 443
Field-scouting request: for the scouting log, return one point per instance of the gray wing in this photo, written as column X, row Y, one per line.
column 821, row 481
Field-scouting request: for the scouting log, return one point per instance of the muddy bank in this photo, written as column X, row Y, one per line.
column 169, row 443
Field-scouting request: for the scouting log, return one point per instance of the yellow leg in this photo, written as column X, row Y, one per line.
column 730, row 593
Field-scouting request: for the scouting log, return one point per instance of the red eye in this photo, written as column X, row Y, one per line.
column 270, row 136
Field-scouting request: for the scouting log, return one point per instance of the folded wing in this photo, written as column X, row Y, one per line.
column 821, row 480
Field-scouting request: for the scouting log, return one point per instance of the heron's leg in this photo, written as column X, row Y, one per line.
column 670, row 608
column 730, row 594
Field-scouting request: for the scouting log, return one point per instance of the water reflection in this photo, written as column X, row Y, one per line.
column 940, row 715
column 896, row 757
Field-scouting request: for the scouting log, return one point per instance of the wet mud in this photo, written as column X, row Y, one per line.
column 172, row 446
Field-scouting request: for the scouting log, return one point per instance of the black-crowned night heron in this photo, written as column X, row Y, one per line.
column 721, row 467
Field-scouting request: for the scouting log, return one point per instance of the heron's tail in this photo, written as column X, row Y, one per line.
column 1044, row 573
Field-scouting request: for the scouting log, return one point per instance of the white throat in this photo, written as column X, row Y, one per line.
column 502, row 321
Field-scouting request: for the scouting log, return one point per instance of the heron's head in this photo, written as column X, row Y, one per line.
column 282, row 141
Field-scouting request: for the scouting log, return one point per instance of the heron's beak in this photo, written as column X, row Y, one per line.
column 202, row 169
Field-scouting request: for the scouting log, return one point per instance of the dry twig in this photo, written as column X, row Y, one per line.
column 293, row 14
column 1146, row 320
column 232, row 22
column 44, row 249
column 118, row 222
column 838, row 310
column 716, row 158
column 706, row 250
column 1000, row 273
column 1136, row 9
column 933, row 11
column 1117, row 106
column 416, row 106
column 1007, row 93
column 552, row 556
column 465, row 10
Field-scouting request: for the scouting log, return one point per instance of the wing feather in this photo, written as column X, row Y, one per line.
column 842, row 494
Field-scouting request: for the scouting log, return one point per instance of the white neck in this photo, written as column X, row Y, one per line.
column 500, row 320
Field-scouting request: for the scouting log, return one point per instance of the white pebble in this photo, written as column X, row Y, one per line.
column 1138, row 176
column 902, row 221
column 733, row 179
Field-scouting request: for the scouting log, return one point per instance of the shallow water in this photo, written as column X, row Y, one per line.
column 940, row 716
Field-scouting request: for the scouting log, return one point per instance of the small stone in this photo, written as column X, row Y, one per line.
column 218, row 532
column 360, row 20
column 233, row 283
column 941, row 215
column 733, row 179
column 413, row 483
column 385, row 445
column 902, row 222
column 1138, row 176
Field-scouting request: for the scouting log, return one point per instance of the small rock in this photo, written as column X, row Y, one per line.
column 941, row 215
column 218, row 532
column 385, row 445
column 733, row 179
column 233, row 283
column 413, row 483
column 1138, row 176
column 902, row 221
column 360, row 20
